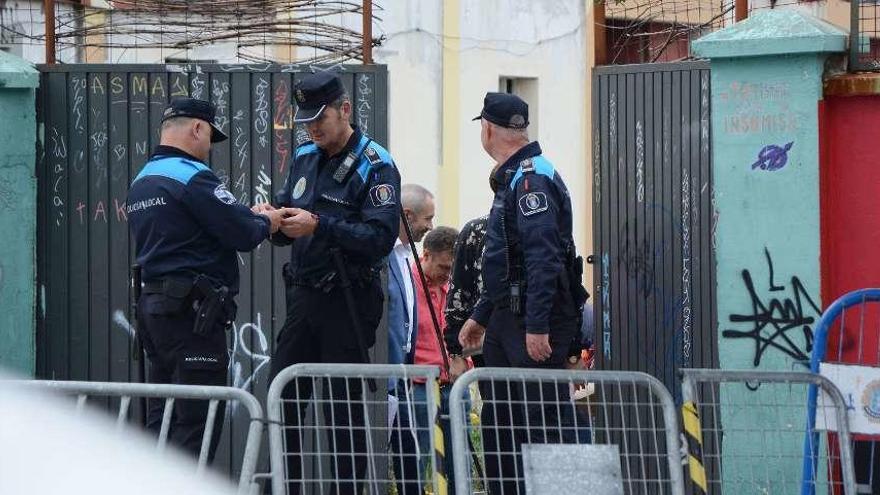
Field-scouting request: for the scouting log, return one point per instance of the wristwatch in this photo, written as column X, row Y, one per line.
column 573, row 359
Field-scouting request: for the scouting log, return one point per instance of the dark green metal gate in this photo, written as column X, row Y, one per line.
column 97, row 126
column 654, row 220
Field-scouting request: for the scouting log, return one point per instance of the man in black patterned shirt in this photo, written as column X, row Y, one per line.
column 464, row 290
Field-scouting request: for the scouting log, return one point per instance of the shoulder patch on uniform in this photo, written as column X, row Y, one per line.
column 533, row 203
column 223, row 194
column 382, row 195
column 372, row 156
column 537, row 165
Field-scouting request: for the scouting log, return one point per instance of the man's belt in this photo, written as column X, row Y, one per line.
column 328, row 281
column 215, row 303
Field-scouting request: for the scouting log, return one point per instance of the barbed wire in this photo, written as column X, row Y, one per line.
column 328, row 30
column 642, row 31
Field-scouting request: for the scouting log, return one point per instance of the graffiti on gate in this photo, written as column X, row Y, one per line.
column 242, row 352
column 782, row 321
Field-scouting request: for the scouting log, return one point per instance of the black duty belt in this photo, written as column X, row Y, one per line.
column 215, row 304
column 361, row 276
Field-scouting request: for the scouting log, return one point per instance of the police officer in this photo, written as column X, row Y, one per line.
column 187, row 228
column 344, row 191
column 532, row 292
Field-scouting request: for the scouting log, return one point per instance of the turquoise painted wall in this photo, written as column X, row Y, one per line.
column 766, row 166
column 18, row 213
column 766, row 85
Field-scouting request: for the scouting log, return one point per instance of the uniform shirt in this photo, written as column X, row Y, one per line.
column 466, row 282
column 427, row 346
column 533, row 212
column 359, row 215
column 185, row 222
column 403, row 257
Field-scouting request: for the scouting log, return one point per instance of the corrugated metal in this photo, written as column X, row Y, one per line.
column 98, row 125
column 653, row 221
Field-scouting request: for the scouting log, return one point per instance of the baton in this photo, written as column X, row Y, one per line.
column 345, row 284
column 434, row 320
column 138, row 352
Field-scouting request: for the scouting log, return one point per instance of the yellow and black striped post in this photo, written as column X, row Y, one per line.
column 439, row 449
column 694, row 435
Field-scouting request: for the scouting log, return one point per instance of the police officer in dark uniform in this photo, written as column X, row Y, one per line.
column 344, row 190
column 187, row 228
column 532, row 292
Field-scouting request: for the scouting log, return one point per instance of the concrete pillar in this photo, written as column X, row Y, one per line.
column 766, row 84
column 18, row 213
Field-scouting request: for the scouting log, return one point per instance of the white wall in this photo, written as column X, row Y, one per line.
column 517, row 38
column 413, row 53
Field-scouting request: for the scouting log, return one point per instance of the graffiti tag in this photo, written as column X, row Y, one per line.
column 784, row 325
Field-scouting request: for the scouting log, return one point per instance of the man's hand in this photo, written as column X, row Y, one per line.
column 275, row 218
column 538, row 346
column 471, row 334
column 457, row 367
column 298, row 223
column 261, row 208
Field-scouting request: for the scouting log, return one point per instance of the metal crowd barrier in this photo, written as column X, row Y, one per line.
column 745, row 432
column 528, row 435
column 125, row 392
column 354, row 429
column 847, row 351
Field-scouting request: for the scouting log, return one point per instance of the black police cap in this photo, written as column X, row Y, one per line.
column 195, row 109
column 505, row 110
column 313, row 93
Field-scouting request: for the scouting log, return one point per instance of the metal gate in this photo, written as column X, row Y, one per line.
column 97, row 127
column 654, row 220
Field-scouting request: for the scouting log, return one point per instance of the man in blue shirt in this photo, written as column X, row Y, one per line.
column 187, row 228
column 530, row 307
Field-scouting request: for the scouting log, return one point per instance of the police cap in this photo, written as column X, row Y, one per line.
column 505, row 110
column 195, row 109
column 313, row 93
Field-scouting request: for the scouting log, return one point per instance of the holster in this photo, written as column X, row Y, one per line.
column 575, row 270
column 215, row 306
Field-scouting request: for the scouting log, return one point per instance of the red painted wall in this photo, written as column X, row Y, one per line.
column 850, row 215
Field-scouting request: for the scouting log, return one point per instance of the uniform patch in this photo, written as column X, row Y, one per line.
column 299, row 188
column 223, row 194
column 372, row 156
column 382, row 195
column 533, row 203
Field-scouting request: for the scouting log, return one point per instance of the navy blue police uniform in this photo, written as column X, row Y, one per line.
column 187, row 228
column 531, row 284
column 354, row 195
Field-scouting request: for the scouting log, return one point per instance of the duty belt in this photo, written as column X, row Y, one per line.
column 330, row 280
column 215, row 304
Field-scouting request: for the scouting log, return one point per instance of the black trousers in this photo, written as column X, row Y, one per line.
column 319, row 329
column 177, row 356
column 516, row 413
